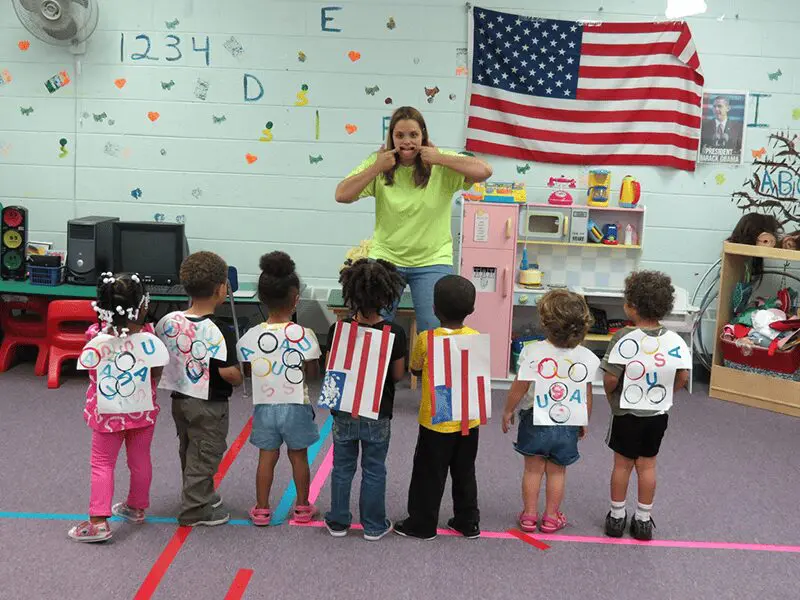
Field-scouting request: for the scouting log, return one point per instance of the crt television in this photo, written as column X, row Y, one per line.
column 153, row 250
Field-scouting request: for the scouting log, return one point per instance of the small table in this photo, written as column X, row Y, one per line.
column 404, row 309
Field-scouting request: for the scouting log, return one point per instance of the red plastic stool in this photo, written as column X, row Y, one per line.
column 29, row 328
column 67, row 322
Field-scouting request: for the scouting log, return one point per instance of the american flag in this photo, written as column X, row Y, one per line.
column 579, row 93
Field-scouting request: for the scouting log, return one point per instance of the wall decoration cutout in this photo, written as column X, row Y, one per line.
column 23, row 45
column 371, row 91
column 250, row 158
column 197, row 193
column 172, row 24
column 99, row 118
column 201, row 89
column 775, row 76
column 111, row 122
column 452, row 96
column 26, row 112
column 120, row 83
column 387, row 100
column 316, row 124
column 416, row 60
column 315, row 159
column 522, row 169
column 153, row 116
column 56, row 82
column 5, row 77
column 217, row 120
column 168, row 85
column 720, row 178
column 5, row 149
column 301, row 56
column 773, row 187
column 758, row 153
column 159, row 217
column 354, row 55
column 266, row 133
column 233, row 46
column 277, row 357
column 112, row 149
column 390, row 24
column 350, row 128
column 181, row 219
column 302, row 96
column 136, row 193
column 163, row 152
column 462, row 69
column 796, row 114
column 63, row 148
column 431, row 93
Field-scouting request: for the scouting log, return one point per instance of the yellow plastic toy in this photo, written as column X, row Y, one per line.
column 356, row 253
column 599, row 185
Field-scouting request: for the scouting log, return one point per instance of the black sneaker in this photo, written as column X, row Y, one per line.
column 402, row 528
column 336, row 529
column 471, row 532
column 616, row 527
column 642, row 530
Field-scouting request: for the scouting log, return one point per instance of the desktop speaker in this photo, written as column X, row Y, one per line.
column 90, row 248
column 13, row 241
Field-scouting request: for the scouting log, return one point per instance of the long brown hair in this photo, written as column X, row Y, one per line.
column 422, row 172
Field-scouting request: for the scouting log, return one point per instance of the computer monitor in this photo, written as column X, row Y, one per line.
column 153, row 250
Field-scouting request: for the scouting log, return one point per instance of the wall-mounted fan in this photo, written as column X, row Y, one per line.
column 59, row 22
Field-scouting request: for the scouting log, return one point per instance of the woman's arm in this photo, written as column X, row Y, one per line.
column 473, row 169
column 351, row 187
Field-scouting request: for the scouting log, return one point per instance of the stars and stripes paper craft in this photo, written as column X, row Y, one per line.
column 358, row 362
column 123, row 369
column 459, row 378
column 191, row 345
column 650, row 366
column 277, row 356
column 562, row 378
column 583, row 93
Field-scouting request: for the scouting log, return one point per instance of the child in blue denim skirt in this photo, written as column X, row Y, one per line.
column 549, row 449
column 369, row 287
column 282, row 356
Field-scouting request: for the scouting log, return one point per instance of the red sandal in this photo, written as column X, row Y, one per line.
column 303, row 513
column 527, row 522
column 551, row 525
column 260, row 516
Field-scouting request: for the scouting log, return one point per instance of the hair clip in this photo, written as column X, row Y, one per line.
column 124, row 332
column 135, row 277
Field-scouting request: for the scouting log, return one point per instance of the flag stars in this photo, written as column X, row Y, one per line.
column 515, row 54
column 562, row 52
column 552, row 58
column 568, row 76
column 508, row 28
column 566, row 92
column 526, row 31
column 559, row 83
column 573, row 29
column 570, row 60
column 563, row 36
column 549, row 90
column 545, row 34
column 540, row 81
column 550, row 75
column 499, row 18
column 560, row 67
column 572, row 44
column 555, row 26
column 517, row 38
column 491, row 25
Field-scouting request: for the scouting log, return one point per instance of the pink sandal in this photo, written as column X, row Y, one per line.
column 550, row 525
column 260, row 516
column 303, row 513
column 527, row 522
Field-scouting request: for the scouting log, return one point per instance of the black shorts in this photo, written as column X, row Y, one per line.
column 633, row 436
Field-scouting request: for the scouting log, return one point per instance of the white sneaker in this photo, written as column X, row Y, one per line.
column 375, row 538
column 336, row 530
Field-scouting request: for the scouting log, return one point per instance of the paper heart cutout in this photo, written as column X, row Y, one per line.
column 153, row 116
column 353, row 55
column 250, row 158
column 120, row 83
column 24, row 45
column 350, row 128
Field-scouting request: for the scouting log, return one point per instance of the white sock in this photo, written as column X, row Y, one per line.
column 618, row 510
column 643, row 512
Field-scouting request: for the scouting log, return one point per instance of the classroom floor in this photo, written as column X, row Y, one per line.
column 726, row 515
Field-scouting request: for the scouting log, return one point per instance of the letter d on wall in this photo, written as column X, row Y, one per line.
column 247, row 98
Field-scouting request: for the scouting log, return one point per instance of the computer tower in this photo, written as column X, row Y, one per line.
column 90, row 248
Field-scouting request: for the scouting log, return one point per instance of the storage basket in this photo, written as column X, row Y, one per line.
column 754, row 359
column 46, row 275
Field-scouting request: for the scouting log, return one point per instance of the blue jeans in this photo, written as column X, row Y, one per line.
column 374, row 437
column 422, row 280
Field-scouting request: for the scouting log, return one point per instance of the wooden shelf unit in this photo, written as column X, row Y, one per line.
column 580, row 245
column 751, row 389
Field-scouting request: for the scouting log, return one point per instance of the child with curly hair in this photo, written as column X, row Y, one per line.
column 634, row 435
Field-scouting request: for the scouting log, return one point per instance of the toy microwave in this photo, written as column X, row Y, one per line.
column 554, row 224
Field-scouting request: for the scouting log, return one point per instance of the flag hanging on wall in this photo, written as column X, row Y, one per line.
column 569, row 92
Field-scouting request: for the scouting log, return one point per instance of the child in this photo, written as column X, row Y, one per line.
column 548, row 450
column 283, row 413
column 201, row 374
column 121, row 306
column 369, row 287
column 635, row 436
column 442, row 447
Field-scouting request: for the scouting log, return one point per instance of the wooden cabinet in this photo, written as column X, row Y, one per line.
column 488, row 254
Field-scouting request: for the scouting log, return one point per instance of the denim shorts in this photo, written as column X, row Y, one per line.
column 557, row 443
column 276, row 424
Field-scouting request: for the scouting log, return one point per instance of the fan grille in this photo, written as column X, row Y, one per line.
column 58, row 22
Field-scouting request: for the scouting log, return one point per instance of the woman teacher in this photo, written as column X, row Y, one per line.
column 413, row 184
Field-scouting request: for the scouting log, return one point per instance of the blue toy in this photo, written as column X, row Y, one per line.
column 595, row 235
column 610, row 235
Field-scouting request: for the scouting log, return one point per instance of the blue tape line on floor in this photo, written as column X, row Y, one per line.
column 282, row 512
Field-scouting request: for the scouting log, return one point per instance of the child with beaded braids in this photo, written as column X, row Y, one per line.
column 369, row 287
column 124, row 355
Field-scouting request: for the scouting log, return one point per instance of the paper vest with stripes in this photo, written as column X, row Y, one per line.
column 277, row 357
column 561, row 380
column 459, row 378
column 191, row 346
column 650, row 366
column 122, row 370
column 358, row 362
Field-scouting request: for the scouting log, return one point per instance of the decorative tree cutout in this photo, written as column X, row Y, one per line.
column 774, row 186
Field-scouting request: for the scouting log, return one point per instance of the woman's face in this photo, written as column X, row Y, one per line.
column 407, row 140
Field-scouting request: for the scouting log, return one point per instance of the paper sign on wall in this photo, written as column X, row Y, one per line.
column 357, row 366
column 191, row 345
column 650, row 366
column 123, row 367
column 277, row 356
column 459, row 378
column 561, row 382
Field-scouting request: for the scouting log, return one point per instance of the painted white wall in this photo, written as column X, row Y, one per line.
column 283, row 201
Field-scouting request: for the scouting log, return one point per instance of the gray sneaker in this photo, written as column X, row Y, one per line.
column 216, row 501
column 219, row 516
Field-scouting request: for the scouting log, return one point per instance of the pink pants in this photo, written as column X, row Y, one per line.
column 105, row 450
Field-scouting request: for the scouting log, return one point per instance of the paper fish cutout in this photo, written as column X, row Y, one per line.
column 26, row 112
column 759, row 153
column 372, row 90
column 775, row 76
column 172, row 24
column 314, row 159
column 167, row 85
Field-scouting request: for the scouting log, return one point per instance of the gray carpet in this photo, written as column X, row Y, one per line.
column 727, row 473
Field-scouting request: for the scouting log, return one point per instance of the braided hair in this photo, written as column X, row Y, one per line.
column 371, row 286
column 277, row 281
column 120, row 299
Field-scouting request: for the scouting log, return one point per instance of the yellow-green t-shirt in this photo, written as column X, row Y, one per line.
column 412, row 224
column 419, row 362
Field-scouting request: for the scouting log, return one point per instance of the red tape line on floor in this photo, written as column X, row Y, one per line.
column 163, row 562
column 528, row 539
column 239, row 584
